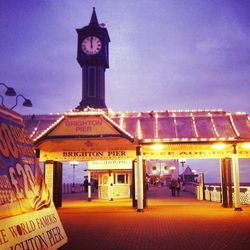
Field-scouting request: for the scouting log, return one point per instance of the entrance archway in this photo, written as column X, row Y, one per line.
column 94, row 136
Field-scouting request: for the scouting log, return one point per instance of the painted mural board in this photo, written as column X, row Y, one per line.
column 36, row 230
column 23, row 192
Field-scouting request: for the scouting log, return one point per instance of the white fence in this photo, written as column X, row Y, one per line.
column 214, row 192
column 67, row 188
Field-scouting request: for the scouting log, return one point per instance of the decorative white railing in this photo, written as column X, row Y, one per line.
column 191, row 187
column 214, row 192
column 67, row 188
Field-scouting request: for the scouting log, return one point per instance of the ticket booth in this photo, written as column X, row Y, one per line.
column 114, row 185
column 114, row 179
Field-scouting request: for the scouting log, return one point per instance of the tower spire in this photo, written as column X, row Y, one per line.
column 93, row 20
column 93, row 57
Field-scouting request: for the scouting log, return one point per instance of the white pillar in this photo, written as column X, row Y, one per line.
column 200, row 188
column 235, row 163
column 111, row 186
column 140, row 179
column 136, row 180
column 89, row 186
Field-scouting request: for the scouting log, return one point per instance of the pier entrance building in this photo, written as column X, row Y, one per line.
column 117, row 145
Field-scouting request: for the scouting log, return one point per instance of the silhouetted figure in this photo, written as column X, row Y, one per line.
column 96, row 184
column 178, row 187
column 173, row 186
column 85, row 184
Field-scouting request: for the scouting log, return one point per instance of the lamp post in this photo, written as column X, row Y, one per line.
column 172, row 168
column 73, row 164
column 160, row 170
column 73, row 188
column 182, row 162
column 26, row 103
column 9, row 90
column 2, row 99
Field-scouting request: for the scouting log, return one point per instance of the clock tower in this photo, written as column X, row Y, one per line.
column 93, row 57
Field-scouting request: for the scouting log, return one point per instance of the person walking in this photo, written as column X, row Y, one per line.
column 85, row 184
column 173, row 186
column 178, row 186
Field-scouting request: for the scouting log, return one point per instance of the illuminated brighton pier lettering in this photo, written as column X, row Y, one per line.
column 94, row 154
column 83, row 125
column 83, row 154
column 147, row 154
column 79, row 155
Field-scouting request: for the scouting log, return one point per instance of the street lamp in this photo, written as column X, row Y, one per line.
column 2, row 100
column 172, row 168
column 9, row 90
column 182, row 162
column 26, row 103
column 160, row 169
column 74, row 164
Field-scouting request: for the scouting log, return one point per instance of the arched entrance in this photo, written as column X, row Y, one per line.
column 94, row 136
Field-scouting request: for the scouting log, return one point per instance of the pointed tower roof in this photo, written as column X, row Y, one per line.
column 93, row 20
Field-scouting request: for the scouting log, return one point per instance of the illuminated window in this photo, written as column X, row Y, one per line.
column 121, row 178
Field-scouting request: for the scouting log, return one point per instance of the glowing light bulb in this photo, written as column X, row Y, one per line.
column 157, row 146
column 218, row 146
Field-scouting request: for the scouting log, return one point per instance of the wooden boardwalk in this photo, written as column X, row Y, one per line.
column 167, row 223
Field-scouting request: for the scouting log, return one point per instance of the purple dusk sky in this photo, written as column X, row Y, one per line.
column 163, row 54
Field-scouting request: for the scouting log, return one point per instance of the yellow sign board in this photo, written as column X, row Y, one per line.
column 35, row 230
column 189, row 151
column 116, row 164
column 88, row 155
column 147, row 154
column 186, row 154
column 84, row 125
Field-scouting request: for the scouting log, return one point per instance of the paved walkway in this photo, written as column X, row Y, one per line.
column 167, row 223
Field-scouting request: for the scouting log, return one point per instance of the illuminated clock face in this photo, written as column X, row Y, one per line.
column 91, row 45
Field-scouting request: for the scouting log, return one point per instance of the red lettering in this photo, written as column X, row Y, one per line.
column 9, row 140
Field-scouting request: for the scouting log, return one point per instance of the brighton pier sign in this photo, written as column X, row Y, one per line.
column 88, row 155
column 81, row 155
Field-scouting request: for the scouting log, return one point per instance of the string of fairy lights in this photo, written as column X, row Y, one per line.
column 157, row 116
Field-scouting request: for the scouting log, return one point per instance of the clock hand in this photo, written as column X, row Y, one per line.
column 91, row 42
